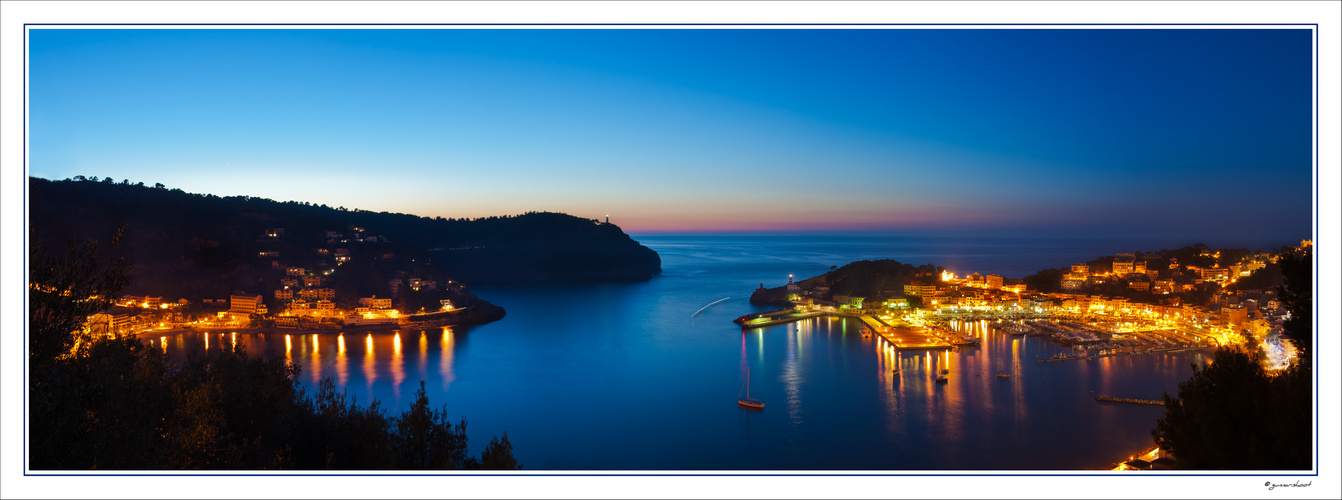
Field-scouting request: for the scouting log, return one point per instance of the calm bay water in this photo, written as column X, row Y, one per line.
column 644, row 376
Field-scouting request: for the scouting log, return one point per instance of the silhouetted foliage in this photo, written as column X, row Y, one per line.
column 498, row 455
column 1233, row 415
column 64, row 290
column 116, row 403
column 1046, row 280
column 424, row 438
column 1267, row 278
column 1297, row 296
column 871, row 279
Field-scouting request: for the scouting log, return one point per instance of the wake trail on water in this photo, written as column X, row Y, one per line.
column 701, row 309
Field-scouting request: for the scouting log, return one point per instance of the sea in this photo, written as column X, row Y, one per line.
column 645, row 376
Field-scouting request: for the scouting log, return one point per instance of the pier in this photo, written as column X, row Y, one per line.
column 905, row 338
column 773, row 318
column 1122, row 353
column 1108, row 399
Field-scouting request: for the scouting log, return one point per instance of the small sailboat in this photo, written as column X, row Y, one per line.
column 1003, row 375
column 966, row 341
column 746, row 401
column 941, row 379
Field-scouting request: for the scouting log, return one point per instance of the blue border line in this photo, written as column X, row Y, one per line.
column 1315, row 25
column 1315, row 346
column 26, row 247
column 1315, row 472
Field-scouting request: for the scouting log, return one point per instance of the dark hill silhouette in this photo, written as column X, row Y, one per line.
column 871, row 279
column 199, row 246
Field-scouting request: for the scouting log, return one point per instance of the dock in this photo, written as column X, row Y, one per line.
column 1123, row 353
column 906, row 339
column 909, row 339
column 1108, row 399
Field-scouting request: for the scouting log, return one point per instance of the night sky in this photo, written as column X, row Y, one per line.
column 1201, row 133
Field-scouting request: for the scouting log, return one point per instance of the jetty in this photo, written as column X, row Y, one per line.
column 1109, row 399
column 1122, row 353
column 779, row 317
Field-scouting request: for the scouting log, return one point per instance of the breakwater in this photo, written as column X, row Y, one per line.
column 1110, row 399
column 1121, row 353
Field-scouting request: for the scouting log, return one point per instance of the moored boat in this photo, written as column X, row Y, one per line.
column 747, row 402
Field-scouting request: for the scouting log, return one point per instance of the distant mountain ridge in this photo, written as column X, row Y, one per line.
column 193, row 246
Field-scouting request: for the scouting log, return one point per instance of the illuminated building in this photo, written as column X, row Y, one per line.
column 375, row 302
column 317, row 293
column 974, row 279
column 993, row 281
column 243, row 304
column 1123, row 264
column 919, row 289
column 114, row 321
column 1234, row 316
column 1080, row 269
column 295, row 271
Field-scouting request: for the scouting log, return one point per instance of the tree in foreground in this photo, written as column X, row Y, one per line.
column 98, row 402
column 1297, row 296
column 1235, row 415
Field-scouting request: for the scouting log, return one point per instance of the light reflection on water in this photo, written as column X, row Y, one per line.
column 319, row 355
column 369, row 363
column 342, row 361
column 445, row 363
column 575, row 374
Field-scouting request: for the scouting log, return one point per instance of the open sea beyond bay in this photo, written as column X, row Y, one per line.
column 644, row 376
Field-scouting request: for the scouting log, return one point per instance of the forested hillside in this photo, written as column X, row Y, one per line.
column 192, row 246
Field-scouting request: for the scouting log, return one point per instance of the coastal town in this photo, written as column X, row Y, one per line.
column 1154, row 314
column 302, row 298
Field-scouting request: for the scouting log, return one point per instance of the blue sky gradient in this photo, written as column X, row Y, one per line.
column 1202, row 133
